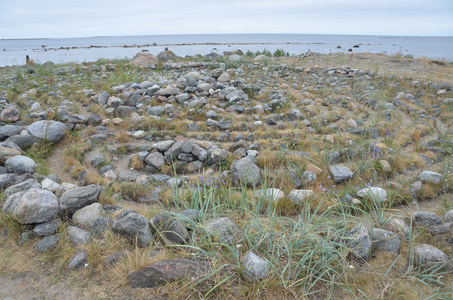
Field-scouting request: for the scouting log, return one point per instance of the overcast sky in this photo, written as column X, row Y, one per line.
column 86, row 18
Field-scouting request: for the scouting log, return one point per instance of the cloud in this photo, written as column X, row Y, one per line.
column 32, row 19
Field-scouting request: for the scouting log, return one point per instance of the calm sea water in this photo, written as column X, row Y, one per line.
column 13, row 52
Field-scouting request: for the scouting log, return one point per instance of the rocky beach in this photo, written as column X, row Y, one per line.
column 251, row 175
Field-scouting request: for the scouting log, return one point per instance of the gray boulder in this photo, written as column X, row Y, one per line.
column 22, row 187
column 47, row 228
column 77, row 198
column 20, row 164
column 224, row 229
column 431, row 177
column 161, row 272
column 46, row 244
column 34, row 206
column 171, row 229
column 133, row 226
column 87, row 215
column 384, row 240
column 256, row 268
column 244, row 171
column 431, row 221
column 155, row 159
column 7, row 180
column 359, row 241
column 78, row 260
column 375, row 193
column 51, row 131
column 77, row 235
column 340, row 174
column 429, row 256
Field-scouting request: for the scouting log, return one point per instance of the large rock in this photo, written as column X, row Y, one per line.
column 7, row 180
column 299, row 195
column 47, row 228
column 399, row 227
column 87, row 216
column 169, row 270
column 224, row 229
column 384, row 240
column 375, row 193
column 78, row 260
column 358, row 239
column 10, row 114
column 23, row 141
column 46, row 244
column 340, row 174
column 155, row 159
column 9, row 130
column 34, row 206
column 431, row 221
column 256, row 268
column 171, row 229
column 77, row 198
column 431, row 177
column 271, row 194
column 78, row 236
column 133, row 226
column 7, row 153
column 51, row 131
column 21, row 164
column 244, row 171
column 429, row 256
column 144, row 58
column 22, row 187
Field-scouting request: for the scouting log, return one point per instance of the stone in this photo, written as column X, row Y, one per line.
column 77, row 119
column 21, row 164
column 78, row 260
column 224, row 229
column 431, row 177
column 133, row 226
column 50, row 131
column 429, row 256
column 7, row 180
column 300, row 195
column 176, row 149
column 431, row 221
column 50, row 185
column 22, row 187
column 449, row 216
column 340, row 174
column 224, row 77
column 359, row 242
column 256, row 268
column 9, row 130
column 385, row 166
column 190, row 214
column 244, row 171
column 77, row 198
column 164, row 271
column 7, row 153
column 144, row 58
column 78, row 236
column 271, row 194
column 375, row 193
column 163, row 146
column 125, row 111
column 399, row 227
column 34, row 206
column 168, row 92
column 113, row 259
column 101, row 225
column 47, row 228
column 23, row 141
column 10, row 114
column 155, row 159
column 384, row 240
column 94, row 120
column 46, row 244
column 87, row 215
column 171, row 229
column 309, row 178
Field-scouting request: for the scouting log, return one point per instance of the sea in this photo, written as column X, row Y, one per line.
column 89, row 49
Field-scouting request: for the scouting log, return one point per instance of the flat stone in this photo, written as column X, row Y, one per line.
column 244, row 171
column 161, row 272
column 50, row 131
column 77, row 198
column 359, row 242
column 20, row 164
column 77, row 235
column 88, row 214
column 431, row 221
column 429, row 256
column 78, row 260
column 47, row 228
column 375, row 193
column 133, row 226
column 431, row 177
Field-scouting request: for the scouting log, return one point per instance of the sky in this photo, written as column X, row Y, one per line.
column 87, row 18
